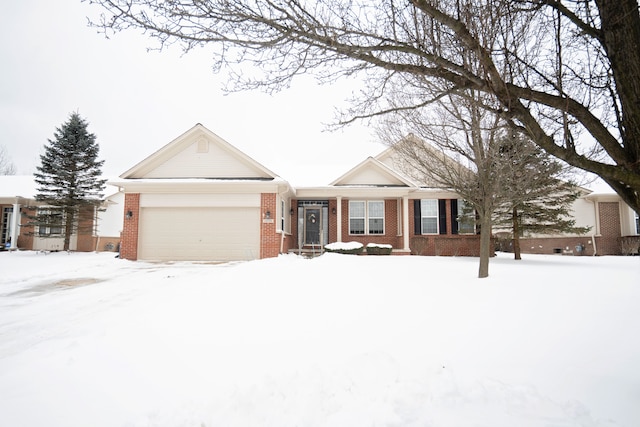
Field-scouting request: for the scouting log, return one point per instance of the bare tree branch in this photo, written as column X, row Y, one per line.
column 587, row 105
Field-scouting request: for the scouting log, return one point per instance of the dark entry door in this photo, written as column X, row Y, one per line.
column 312, row 221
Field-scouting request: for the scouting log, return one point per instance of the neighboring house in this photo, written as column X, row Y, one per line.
column 17, row 194
column 614, row 229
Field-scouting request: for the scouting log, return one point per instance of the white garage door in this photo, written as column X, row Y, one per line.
column 199, row 234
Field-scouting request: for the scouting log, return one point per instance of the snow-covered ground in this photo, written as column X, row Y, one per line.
column 340, row 340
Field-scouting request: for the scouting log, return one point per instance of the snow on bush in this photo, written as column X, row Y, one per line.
column 379, row 249
column 345, row 247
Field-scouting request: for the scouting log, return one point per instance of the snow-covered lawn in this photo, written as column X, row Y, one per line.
column 90, row 340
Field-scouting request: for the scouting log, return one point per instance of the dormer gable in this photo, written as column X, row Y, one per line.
column 199, row 153
column 372, row 172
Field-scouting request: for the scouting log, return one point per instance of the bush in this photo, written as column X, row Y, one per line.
column 378, row 249
column 351, row 248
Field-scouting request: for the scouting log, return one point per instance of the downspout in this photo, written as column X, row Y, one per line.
column 95, row 227
column 339, row 219
column 15, row 225
column 283, row 215
column 281, row 241
column 597, row 223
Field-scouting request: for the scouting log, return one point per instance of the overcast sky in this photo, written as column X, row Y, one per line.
column 137, row 101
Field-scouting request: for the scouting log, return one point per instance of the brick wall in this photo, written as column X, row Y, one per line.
column 269, row 239
column 553, row 245
column 608, row 242
column 390, row 236
column 86, row 241
column 25, row 239
column 129, row 238
column 446, row 245
column 443, row 244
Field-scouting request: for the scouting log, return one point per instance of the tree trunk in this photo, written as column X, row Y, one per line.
column 485, row 246
column 68, row 228
column 516, row 234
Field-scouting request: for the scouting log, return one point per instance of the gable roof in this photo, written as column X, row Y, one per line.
column 395, row 160
column 13, row 186
column 24, row 187
column 199, row 153
column 372, row 172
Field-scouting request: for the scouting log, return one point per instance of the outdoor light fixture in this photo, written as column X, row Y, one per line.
column 333, row 211
column 267, row 215
column 129, row 214
column 291, row 211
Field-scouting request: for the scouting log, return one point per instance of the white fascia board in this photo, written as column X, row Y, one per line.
column 200, row 185
column 352, row 191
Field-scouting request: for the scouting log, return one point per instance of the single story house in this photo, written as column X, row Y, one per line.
column 198, row 198
column 18, row 194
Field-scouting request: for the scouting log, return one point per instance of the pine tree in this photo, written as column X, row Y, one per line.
column 539, row 200
column 69, row 183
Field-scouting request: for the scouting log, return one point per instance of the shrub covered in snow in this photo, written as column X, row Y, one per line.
column 379, row 249
column 352, row 248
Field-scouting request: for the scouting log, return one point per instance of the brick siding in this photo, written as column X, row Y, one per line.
column 269, row 239
column 552, row 245
column 86, row 241
column 608, row 241
column 391, row 232
column 446, row 245
column 441, row 244
column 129, row 238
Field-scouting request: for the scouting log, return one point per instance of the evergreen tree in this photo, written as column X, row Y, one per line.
column 69, row 182
column 539, row 200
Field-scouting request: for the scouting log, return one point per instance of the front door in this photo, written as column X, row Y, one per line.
column 312, row 228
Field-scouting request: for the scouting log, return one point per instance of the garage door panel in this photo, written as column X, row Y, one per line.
column 199, row 234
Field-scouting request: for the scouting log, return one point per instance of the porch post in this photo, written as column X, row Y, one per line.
column 339, row 219
column 15, row 224
column 405, row 223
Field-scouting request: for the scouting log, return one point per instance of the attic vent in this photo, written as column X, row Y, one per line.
column 202, row 146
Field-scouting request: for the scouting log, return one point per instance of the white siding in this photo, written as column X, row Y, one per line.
column 110, row 220
column 214, row 162
column 371, row 176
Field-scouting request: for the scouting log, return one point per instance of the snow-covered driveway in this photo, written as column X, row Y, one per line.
column 91, row 340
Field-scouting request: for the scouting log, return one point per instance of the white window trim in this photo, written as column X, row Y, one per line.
column 461, row 203
column 366, row 218
column 47, row 230
column 369, row 218
column 437, row 217
column 637, row 221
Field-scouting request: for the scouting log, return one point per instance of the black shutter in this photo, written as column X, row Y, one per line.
column 442, row 215
column 454, row 216
column 417, row 218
